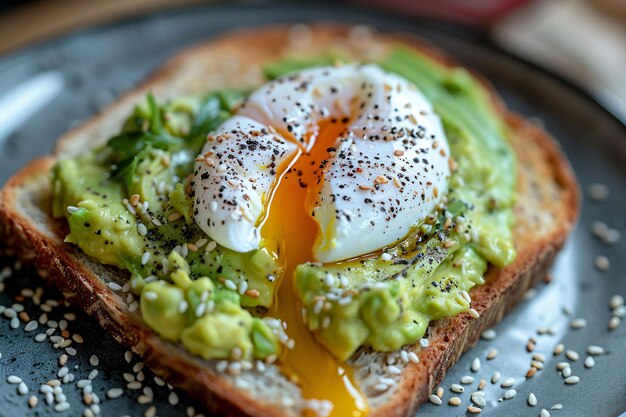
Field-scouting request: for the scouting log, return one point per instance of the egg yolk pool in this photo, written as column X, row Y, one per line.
column 290, row 232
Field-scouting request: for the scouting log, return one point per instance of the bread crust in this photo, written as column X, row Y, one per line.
column 546, row 212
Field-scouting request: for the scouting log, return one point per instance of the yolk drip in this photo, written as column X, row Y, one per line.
column 290, row 231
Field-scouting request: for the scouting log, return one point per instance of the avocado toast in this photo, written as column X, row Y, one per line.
column 545, row 212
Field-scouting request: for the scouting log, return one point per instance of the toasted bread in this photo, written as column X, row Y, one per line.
column 546, row 211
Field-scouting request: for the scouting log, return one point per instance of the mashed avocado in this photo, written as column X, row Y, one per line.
column 128, row 204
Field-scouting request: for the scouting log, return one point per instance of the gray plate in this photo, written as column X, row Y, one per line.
column 46, row 89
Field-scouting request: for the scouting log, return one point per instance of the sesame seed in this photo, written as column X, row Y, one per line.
column 142, row 229
column 63, row 359
column 457, row 388
column 510, row 394
column 589, row 362
column 595, row 350
column 602, row 263
column 114, row 393
column 413, row 357
column 566, row 372
column 614, row 322
column 558, row 349
column 467, row 379
column 435, row 400
column 473, row 410
column 482, row 384
column 230, row 285
column 15, row 323
column 531, row 372
column 616, row 301
column 472, row 312
column 572, row 355
column 14, row 379
column 492, row 354
column 134, row 385
column 32, row 401
column 495, row 377
column 128, row 356
column 64, row 406
column 72, row 209
column 173, row 398
column 22, row 389
column 475, row 365
column 508, row 382
column 145, row 258
column 572, row 380
column 536, row 364
column 454, row 401
column 32, row 325
column 598, row 192
column 544, row 413
column 114, row 286
column 489, row 334
column 578, row 323
column 150, row 412
column 384, row 387
column 556, row 407
column 532, row 400
column 40, row 337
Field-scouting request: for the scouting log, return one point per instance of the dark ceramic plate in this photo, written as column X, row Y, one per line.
column 49, row 88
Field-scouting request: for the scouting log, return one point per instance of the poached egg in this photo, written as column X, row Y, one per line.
column 383, row 171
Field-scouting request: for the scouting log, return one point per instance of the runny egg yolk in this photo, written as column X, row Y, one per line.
column 290, row 232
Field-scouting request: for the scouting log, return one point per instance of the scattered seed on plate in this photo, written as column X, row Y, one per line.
column 590, row 362
column 492, row 354
column 115, row 393
column 508, row 382
column 616, row 301
column 467, row 379
column 557, row 407
column 489, row 334
column 454, row 401
column 572, row 355
column 510, row 394
column 14, row 379
column 602, row 263
column 94, row 360
column 32, row 401
column 532, row 400
column 439, row 392
column 566, row 372
column 479, row 401
column 473, row 410
column 173, row 398
column 495, row 377
column 457, row 388
column 578, row 323
column 435, row 400
column 598, row 191
column 544, row 413
column 614, row 322
column 572, row 380
column 475, row 365
column 22, row 389
column 472, row 312
column 594, row 350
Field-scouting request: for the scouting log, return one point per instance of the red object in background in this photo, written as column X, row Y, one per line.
column 474, row 12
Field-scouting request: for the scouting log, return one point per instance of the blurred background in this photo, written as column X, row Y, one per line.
column 583, row 40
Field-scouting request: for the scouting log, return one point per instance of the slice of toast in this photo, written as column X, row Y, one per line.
column 546, row 211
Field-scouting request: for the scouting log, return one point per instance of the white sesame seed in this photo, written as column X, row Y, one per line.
column 495, row 377
column 616, row 301
column 134, row 385
column 532, row 400
column 145, row 258
column 544, row 413
column 93, row 374
column 114, row 393
column 598, row 192
column 150, row 412
column 457, row 388
column 578, row 323
column 614, row 322
column 22, row 389
column 566, row 372
column 476, row 365
column 473, row 410
column 589, row 362
column 536, row 364
column 141, row 229
column 211, row 246
column 383, row 387
column 619, row 312
column 393, row 370
column 478, row 394
column 64, row 406
column 594, row 350
column 489, row 334
column 173, row 398
column 435, row 400
column 14, row 379
column 572, row 355
column 413, row 357
column 114, row 286
column 467, row 379
column 556, row 407
column 72, row 209
column 128, row 356
column 230, row 285
column 510, row 394
column 472, row 312
column 40, row 337
column 572, row 380
column 479, row 401
column 386, row 257
column 32, row 325
column 558, row 349
column 32, row 401
column 15, row 323
column 508, row 382
column 424, row 343
column 71, row 351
